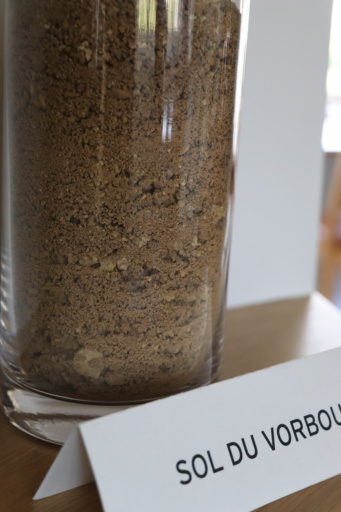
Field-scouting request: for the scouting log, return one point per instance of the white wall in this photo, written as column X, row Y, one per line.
column 279, row 176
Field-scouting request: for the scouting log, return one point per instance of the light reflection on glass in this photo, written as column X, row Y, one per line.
column 146, row 15
column 167, row 121
column 174, row 14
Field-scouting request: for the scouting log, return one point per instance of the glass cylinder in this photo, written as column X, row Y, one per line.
column 117, row 191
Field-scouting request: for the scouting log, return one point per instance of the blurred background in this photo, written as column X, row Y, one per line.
column 329, row 276
column 287, row 226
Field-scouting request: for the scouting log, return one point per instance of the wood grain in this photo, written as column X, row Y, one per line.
column 257, row 337
column 24, row 463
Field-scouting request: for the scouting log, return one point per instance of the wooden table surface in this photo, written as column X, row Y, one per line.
column 258, row 337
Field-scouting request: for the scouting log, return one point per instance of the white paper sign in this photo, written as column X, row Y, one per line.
column 232, row 446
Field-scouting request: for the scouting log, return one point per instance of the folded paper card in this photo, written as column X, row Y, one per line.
column 235, row 445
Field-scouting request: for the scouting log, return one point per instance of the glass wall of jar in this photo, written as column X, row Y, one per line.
column 119, row 135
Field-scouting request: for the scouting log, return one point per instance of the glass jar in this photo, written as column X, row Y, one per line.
column 118, row 179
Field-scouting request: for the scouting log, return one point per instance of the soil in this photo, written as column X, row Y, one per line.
column 120, row 129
